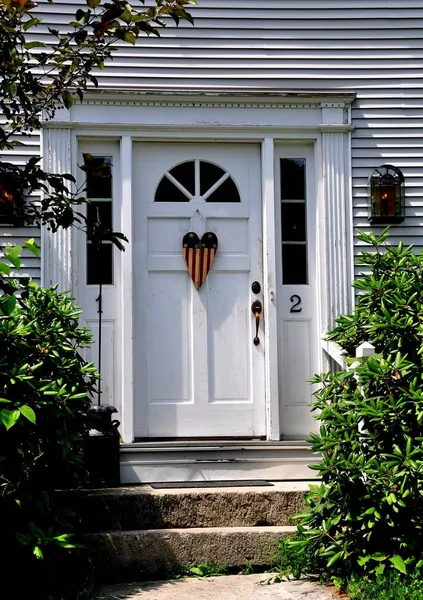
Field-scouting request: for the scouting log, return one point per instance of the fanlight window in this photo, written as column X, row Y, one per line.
column 197, row 180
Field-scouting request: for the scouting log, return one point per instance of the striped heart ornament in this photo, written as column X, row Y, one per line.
column 199, row 255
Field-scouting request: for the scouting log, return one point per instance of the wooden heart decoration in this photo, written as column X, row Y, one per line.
column 199, row 255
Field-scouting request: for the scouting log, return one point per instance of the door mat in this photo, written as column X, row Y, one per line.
column 210, row 484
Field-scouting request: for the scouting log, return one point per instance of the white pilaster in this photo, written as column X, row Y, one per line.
column 337, row 217
column 126, row 330
column 269, row 289
column 56, row 248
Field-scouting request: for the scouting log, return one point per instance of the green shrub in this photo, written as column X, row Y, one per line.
column 392, row 587
column 366, row 518
column 296, row 558
column 44, row 395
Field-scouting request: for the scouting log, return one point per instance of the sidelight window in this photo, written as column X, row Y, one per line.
column 99, row 180
column 293, row 220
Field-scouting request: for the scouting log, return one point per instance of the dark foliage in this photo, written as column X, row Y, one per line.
column 367, row 516
column 45, row 388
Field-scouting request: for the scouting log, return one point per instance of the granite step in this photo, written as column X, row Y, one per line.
column 143, row 507
column 150, row 554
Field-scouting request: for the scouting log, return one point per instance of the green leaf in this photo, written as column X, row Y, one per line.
column 69, row 177
column 334, row 559
column 380, row 569
column 4, row 400
column 67, row 99
column 10, row 87
column 30, row 45
column 23, row 538
column 398, row 563
column 9, row 417
column 31, row 23
column 64, row 537
column 93, row 3
column 370, row 511
column 126, row 15
column 7, row 304
column 28, row 412
column 130, row 37
column 13, row 254
column 379, row 557
column 4, row 268
column 32, row 247
column 38, row 553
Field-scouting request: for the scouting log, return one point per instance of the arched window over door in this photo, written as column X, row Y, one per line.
column 198, row 180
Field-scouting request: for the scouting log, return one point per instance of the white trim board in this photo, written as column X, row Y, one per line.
column 150, row 462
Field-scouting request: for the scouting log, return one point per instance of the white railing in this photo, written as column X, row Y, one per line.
column 336, row 358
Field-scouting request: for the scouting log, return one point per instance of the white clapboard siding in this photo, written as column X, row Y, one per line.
column 16, row 236
column 371, row 47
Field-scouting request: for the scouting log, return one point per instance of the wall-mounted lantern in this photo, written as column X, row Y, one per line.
column 11, row 199
column 386, row 195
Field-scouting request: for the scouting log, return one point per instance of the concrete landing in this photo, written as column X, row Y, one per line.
column 235, row 587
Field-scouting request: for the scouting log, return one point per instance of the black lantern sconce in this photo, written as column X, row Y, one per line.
column 386, row 195
column 11, row 199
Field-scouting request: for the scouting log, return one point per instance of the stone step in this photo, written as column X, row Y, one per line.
column 145, row 555
column 142, row 507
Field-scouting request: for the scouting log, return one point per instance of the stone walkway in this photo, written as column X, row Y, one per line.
column 235, row 587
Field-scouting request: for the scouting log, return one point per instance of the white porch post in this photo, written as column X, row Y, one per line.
column 336, row 141
column 56, row 248
column 269, row 287
column 126, row 331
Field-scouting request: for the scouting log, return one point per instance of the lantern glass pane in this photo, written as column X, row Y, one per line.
column 386, row 194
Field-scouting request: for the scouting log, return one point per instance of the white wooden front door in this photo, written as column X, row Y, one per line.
column 197, row 370
column 298, row 291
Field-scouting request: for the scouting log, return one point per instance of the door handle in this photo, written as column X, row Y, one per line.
column 256, row 309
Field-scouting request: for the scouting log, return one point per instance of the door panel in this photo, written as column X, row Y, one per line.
column 197, row 370
column 228, row 324
column 168, row 338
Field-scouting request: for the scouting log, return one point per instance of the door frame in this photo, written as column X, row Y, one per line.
column 320, row 120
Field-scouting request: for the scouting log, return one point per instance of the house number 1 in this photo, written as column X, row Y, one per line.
column 297, row 301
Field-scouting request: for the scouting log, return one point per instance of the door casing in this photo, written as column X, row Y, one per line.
column 125, row 118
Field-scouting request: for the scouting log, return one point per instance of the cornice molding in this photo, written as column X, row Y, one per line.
column 211, row 104
column 333, row 108
column 256, row 131
column 192, row 100
column 259, row 99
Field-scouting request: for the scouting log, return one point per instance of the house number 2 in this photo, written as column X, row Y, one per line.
column 297, row 301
